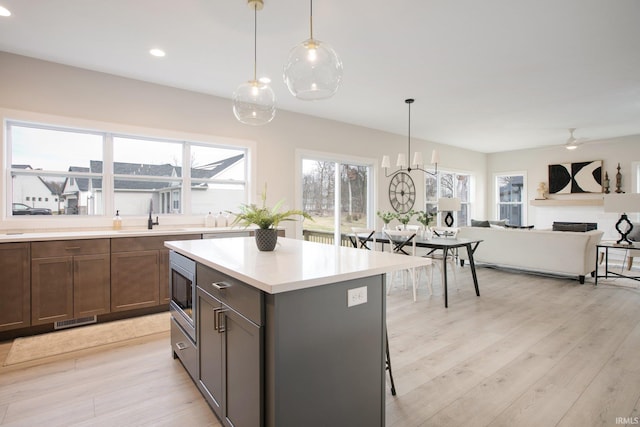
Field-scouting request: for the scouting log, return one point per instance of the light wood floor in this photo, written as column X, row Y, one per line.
column 531, row 351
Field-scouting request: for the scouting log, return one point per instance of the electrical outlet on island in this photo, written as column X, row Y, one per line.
column 356, row 296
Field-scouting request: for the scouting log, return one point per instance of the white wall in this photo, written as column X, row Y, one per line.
column 44, row 88
column 624, row 150
column 47, row 88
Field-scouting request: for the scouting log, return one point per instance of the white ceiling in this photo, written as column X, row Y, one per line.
column 490, row 76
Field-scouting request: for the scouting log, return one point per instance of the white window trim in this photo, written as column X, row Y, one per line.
column 84, row 125
column 525, row 194
column 635, row 177
column 337, row 158
column 472, row 192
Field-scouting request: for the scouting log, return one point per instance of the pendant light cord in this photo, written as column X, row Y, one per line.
column 255, row 41
column 311, row 20
column 409, row 133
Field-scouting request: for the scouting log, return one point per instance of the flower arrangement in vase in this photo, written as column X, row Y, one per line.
column 425, row 218
column 405, row 218
column 386, row 218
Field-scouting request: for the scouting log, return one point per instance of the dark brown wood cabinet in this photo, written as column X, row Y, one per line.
column 69, row 279
column 134, row 279
column 140, row 271
column 15, row 281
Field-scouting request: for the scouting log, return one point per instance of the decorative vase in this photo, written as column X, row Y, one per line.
column 266, row 239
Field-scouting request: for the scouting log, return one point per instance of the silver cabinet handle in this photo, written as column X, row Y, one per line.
column 221, row 286
column 222, row 323
column 181, row 345
column 215, row 319
column 218, row 319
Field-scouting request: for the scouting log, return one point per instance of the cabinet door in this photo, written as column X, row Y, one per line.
column 91, row 285
column 134, row 280
column 242, row 366
column 210, row 342
column 51, row 289
column 15, row 284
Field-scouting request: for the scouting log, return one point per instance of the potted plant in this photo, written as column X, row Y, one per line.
column 386, row 218
column 424, row 218
column 267, row 220
column 405, row 218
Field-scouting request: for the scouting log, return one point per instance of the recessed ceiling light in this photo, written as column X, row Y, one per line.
column 4, row 11
column 157, row 52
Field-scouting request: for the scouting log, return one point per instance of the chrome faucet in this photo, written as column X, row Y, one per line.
column 150, row 222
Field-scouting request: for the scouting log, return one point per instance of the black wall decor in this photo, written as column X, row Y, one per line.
column 581, row 177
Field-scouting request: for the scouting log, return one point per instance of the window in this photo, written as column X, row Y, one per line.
column 142, row 174
column 510, row 192
column 337, row 194
column 635, row 176
column 54, row 161
column 449, row 184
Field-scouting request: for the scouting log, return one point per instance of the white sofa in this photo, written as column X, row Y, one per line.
column 564, row 252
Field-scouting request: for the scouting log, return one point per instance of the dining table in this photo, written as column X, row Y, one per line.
column 445, row 244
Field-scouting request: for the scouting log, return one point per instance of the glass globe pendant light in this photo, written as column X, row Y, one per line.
column 254, row 102
column 313, row 69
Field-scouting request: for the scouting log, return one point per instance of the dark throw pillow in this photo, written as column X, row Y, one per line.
column 476, row 223
column 634, row 236
column 520, row 227
column 569, row 227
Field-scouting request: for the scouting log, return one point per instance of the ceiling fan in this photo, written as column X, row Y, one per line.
column 572, row 142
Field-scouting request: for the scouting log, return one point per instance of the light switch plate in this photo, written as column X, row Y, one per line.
column 356, row 296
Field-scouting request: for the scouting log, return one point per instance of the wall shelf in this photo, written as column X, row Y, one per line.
column 567, row 202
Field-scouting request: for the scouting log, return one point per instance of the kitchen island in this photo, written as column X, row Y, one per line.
column 291, row 337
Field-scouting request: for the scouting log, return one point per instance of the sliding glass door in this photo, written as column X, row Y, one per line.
column 337, row 194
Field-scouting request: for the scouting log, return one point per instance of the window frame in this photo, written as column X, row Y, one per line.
column 468, row 204
column 21, row 118
column 340, row 160
column 496, row 194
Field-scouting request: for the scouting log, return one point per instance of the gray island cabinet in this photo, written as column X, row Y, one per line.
column 293, row 337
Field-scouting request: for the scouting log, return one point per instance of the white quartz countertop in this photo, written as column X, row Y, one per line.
column 11, row 237
column 293, row 265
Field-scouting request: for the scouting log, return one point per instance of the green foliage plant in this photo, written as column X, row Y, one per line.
column 424, row 217
column 405, row 217
column 264, row 217
column 386, row 217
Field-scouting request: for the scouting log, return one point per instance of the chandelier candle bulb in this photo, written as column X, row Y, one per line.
column 386, row 163
column 435, row 157
column 402, row 161
column 417, row 159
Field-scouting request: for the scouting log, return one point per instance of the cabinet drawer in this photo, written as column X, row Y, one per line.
column 59, row 248
column 132, row 244
column 241, row 297
column 185, row 349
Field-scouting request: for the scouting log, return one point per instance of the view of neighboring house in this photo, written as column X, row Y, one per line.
column 137, row 192
column 36, row 191
column 77, row 194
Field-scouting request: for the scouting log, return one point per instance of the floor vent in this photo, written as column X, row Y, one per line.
column 74, row 322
